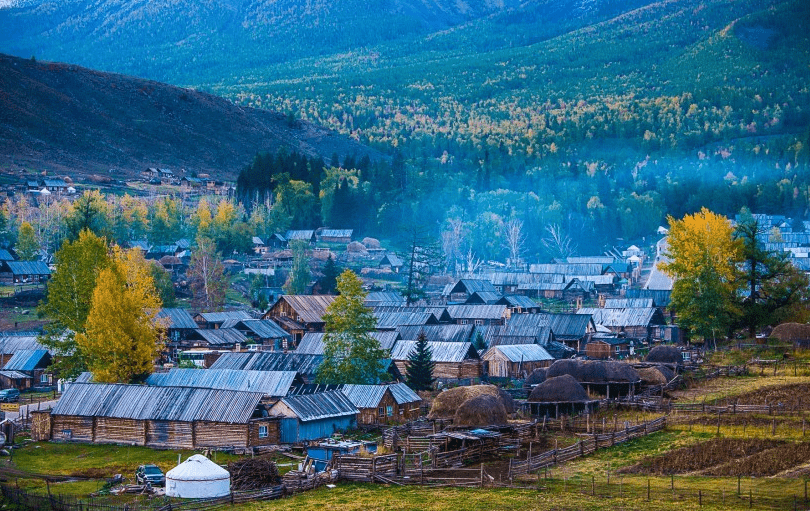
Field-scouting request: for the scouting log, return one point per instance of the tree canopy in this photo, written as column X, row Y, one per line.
column 419, row 367
column 207, row 276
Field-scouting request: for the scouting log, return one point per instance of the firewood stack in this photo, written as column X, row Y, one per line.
column 253, row 473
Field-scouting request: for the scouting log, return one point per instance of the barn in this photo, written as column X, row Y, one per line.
column 312, row 416
column 515, row 361
column 453, row 360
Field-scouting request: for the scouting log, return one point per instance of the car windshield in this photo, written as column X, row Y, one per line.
column 152, row 470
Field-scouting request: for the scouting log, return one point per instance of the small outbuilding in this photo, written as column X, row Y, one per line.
column 198, row 478
column 559, row 395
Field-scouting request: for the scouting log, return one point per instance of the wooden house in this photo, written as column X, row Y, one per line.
column 519, row 304
column 393, row 320
column 384, row 298
column 515, row 360
column 214, row 320
column 298, row 314
column 573, row 330
column 324, row 235
column 391, row 262
column 223, row 339
column 478, row 314
column 177, row 323
column 453, row 360
column 383, row 404
column 631, row 322
column 483, row 298
column 27, row 369
column 313, row 342
column 438, row 333
column 262, row 332
column 313, row 416
column 162, row 417
column 307, row 236
column 23, row 272
column 464, row 288
column 272, row 384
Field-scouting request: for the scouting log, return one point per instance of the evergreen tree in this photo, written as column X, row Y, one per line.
column 419, row 367
column 330, row 275
column 351, row 354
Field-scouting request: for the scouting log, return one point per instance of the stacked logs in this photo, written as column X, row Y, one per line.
column 253, row 473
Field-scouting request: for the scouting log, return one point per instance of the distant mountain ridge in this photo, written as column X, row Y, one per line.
column 65, row 117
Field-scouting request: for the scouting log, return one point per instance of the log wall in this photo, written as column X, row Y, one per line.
column 219, row 434
column 273, row 432
column 111, row 430
column 70, row 428
column 169, row 434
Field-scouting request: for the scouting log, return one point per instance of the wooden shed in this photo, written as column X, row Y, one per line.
column 453, row 360
column 515, row 361
column 299, row 314
column 312, row 416
column 163, row 417
column 383, row 404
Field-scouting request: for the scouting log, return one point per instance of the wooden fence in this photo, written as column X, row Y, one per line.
column 582, row 448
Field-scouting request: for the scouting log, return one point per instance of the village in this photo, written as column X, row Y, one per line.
column 569, row 378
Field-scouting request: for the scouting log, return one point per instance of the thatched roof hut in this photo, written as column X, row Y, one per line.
column 559, row 389
column 665, row 355
column 594, row 371
column 482, row 410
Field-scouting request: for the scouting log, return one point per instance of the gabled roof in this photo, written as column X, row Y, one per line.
column 27, row 360
column 392, row 259
column 623, row 303
column 488, row 312
column 483, row 298
column 440, row 312
column 257, row 241
column 396, row 319
column 143, row 402
column 310, row 308
column 470, row 286
column 629, row 317
column 520, row 352
column 521, row 334
column 660, row 297
column 522, row 301
column 387, row 297
column 221, row 336
column 262, row 328
column 269, row 383
column 336, row 233
column 322, row 405
column 563, row 326
column 568, row 269
column 313, row 342
column 269, row 361
column 178, row 318
column 299, row 235
column 12, row 342
column 441, row 351
column 369, row 396
column 5, row 255
column 221, row 317
column 438, row 333
column 27, row 267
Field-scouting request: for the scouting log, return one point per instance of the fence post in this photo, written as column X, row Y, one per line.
column 482, row 476
column 648, row 489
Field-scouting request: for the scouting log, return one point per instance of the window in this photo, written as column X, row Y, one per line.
column 479, row 322
column 44, row 378
column 381, row 411
column 389, row 410
column 462, row 322
column 262, row 431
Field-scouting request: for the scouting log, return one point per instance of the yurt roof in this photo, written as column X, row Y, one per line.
column 198, row 468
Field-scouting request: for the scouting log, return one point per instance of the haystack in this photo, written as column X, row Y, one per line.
column 665, row 355
column 652, row 376
column 594, row 371
column 355, row 247
column 668, row 373
column 507, row 400
column 559, row 389
column 789, row 332
column 482, row 410
column 537, row 376
column 445, row 404
column 372, row 243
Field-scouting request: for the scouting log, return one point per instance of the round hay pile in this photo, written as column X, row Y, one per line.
column 559, row 389
column 482, row 410
column 355, row 247
column 371, row 242
column 446, row 403
column 652, row 376
column 594, row 371
column 668, row 373
column 665, row 355
column 791, row 332
column 507, row 400
column 537, row 376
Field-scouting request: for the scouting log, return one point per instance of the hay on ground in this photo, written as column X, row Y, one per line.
column 668, row 373
column 665, row 355
column 355, row 247
column 594, row 371
column 446, row 403
column 482, row 410
column 372, row 243
column 789, row 332
column 652, row 376
column 559, row 389
column 537, row 376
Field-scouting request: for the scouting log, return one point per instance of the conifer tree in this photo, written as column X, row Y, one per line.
column 330, row 275
column 298, row 280
column 419, row 367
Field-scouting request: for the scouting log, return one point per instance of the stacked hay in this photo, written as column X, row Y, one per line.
column 355, row 247
column 668, row 373
column 559, row 389
column 537, row 376
column 594, row 371
column 665, row 355
column 652, row 376
column 482, row 410
column 789, row 332
column 446, row 403
column 507, row 400
column 372, row 243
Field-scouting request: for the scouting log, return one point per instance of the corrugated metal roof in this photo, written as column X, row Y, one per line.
column 598, row 280
column 27, row 267
column 364, row 396
column 440, row 312
column 269, row 383
column 438, row 333
column 623, row 303
column 323, row 405
column 660, row 297
column 219, row 317
column 5, row 255
column 395, row 319
column 441, row 351
column 221, row 336
column 15, row 375
column 568, row 269
column 521, row 352
column 629, row 317
column 310, row 308
column 483, row 297
column 521, row 334
column 313, row 342
column 563, row 326
column 472, row 312
column 11, row 342
column 178, row 318
column 590, row 260
column 299, row 235
column 403, row 393
column 387, row 297
column 25, row 360
column 336, row 233
column 263, row 328
column 470, row 286
column 524, row 302
column 143, row 402
column 269, row 361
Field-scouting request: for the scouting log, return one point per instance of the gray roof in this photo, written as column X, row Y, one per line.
column 598, row 280
column 178, row 318
column 438, row 333
column 262, row 328
column 563, row 326
column 5, row 255
column 623, row 303
column 631, row 316
column 27, row 267
column 388, row 297
column 25, row 360
column 441, row 351
column 15, row 375
column 489, row 312
column 590, row 259
column 521, row 352
column 313, row 342
column 221, row 336
column 143, row 402
column 269, row 361
column 568, row 268
column 403, row 393
column 439, row 312
column 269, row 383
column 299, row 235
column 310, row 308
column 336, row 233
column 395, row 319
column 471, row 286
column 321, row 405
column 12, row 342
column 660, row 297
column 524, row 302
column 483, row 297
column 521, row 334
column 220, row 317
column 369, row 396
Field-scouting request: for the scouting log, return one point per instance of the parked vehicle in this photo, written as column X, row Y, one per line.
column 9, row 395
column 150, row 474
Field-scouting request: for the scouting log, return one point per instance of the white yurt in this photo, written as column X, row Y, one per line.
column 198, row 478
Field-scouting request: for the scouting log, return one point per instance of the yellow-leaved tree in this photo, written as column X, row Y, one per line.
column 122, row 338
column 703, row 260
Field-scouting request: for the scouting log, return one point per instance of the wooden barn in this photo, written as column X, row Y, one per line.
column 272, row 384
column 299, row 314
column 630, row 322
column 607, row 347
column 453, row 360
column 515, row 361
column 383, row 404
column 162, row 417
column 478, row 314
column 462, row 290
column 313, row 416
column 26, row 369
column 324, row 235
